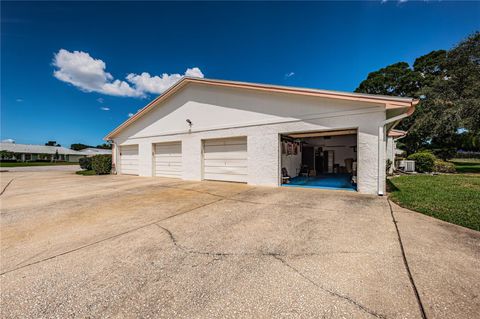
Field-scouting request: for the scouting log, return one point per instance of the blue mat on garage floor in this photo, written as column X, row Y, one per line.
column 325, row 181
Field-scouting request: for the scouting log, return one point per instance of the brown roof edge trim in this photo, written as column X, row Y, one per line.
column 390, row 102
column 145, row 109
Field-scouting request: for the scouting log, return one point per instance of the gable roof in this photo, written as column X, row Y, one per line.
column 37, row 149
column 390, row 102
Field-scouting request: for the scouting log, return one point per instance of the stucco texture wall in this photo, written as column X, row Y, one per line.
column 261, row 117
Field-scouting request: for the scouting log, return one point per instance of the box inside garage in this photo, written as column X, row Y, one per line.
column 326, row 159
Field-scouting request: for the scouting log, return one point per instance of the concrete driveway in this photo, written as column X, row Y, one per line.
column 119, row 246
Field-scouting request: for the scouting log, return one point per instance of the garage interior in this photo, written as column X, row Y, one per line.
column 326, row 159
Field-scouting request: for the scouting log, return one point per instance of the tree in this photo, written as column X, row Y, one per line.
column 106, row 146
column 397, row 79
column 6, row 155
column 79, row 146
column 52, row 143
column 448, row 86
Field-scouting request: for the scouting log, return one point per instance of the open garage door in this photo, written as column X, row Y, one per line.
column 225, row 159
column 129, row 159
column 322, row 159
column 168, row 159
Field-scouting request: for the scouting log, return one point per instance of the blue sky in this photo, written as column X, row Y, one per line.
column 72, row 72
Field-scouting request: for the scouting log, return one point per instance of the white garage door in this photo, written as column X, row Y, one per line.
column 168, row 159
column 129, row 159
column 225, row 159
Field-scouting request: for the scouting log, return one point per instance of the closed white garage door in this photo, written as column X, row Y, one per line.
column 168, row 159
column 129, row 159
column 225, row 159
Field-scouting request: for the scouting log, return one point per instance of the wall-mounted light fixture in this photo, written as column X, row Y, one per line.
column 189, row 122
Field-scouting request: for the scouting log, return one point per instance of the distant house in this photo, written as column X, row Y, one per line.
column 392, row 151
column 91, row 151
column 30, row 152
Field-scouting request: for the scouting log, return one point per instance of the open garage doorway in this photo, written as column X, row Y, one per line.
column 324, row 159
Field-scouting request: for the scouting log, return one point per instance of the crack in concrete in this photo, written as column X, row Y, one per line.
column 407, row 267
column 331, row 292
column 6, row 186
column 259, row 253
column 277, row 256
column 117, row 235
column 106, row 239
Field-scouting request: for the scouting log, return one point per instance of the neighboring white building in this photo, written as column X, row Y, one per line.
column 91, row 151
column 30, row 152
column 244, row 132
column 392, row 150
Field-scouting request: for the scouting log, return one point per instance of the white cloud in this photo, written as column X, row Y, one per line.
column 88, row 74
column 158, row 84
column 130, row 114
column 194, row 72
column 19, row 100
column 153, row 84
column 8, row 140
column 104, row 108
column 100, row 100
column 289, row 74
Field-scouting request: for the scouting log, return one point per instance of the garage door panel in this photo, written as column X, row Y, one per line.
column 226, row 170
column 228, row 141
column 226, row 162
column 168, row 159
column 225, row 159
column 221, row 148
column 226, row 155
column 173, row 160
column 226, row 178
column 165, row 167
column 129, row 159
column 168, row 172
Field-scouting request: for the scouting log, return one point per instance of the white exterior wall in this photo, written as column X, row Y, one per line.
column 391, row 152
column 227, row 112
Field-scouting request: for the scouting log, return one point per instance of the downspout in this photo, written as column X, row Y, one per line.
column 381, row 138
column 114, row 157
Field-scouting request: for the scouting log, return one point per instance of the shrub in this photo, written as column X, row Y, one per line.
column 102, row 164
column 85, row 163
column 468, row 155
column 444, row 167
column 424, row 161
column 388, row 165
column 445, row 153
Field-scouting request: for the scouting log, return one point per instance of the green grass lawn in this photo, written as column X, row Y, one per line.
column 453, row 198
column 466, row 165
column 18, row 164
column 86, row 172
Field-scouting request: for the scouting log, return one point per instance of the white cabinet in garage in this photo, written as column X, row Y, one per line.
column 129, row 159
column 225, row 159
column 167, row 159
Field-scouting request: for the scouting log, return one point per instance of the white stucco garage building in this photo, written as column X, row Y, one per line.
column 244, row 132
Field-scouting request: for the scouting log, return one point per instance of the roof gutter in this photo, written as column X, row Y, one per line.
column 390, row 102
column 381, row 141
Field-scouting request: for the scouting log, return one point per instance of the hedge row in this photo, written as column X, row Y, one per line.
column 426, row 162
column 101, row 164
